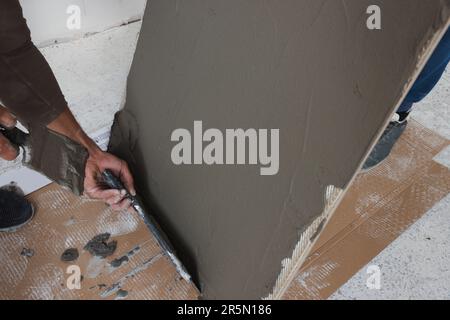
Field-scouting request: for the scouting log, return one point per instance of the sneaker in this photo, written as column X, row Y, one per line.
column 15, row 210
column 387, row 141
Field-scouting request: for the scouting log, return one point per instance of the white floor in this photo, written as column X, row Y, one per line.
column 92, row 73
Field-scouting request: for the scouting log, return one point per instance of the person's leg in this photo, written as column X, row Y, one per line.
column 15, row 209
column 427, row 80
column 430, row 75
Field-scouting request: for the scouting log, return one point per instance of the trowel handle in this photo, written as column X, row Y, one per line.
column 14, row 135
column 110, row 179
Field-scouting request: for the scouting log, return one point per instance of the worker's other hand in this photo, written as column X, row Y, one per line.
column 98, row 162
column 7, row 150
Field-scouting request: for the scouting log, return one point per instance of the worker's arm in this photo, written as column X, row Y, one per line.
column 29, row 90
column 97, row 162
column 28, row 87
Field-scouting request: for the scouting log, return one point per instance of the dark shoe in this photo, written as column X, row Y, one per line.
column 387, row 141
column 15, row 210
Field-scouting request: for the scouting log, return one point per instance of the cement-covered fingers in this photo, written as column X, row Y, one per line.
column 122, row 205
column 118, row 200
column 7, row 151
column 109, row 196
column 114, row 198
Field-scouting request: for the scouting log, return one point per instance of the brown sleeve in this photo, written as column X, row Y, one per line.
column 28, row 87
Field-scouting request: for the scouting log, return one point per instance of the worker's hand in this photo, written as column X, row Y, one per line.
column 7, row 151
column 98, row 162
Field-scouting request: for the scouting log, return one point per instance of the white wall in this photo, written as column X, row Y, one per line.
column 47, row 19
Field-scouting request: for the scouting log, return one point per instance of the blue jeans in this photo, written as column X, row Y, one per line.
column 430, row 75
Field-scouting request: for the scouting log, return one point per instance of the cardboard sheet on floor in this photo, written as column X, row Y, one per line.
column 379, row 206
column 65, row 221
column 311, row 69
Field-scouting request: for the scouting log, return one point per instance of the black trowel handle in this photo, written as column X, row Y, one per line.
column 14, row 135
column 110, row 179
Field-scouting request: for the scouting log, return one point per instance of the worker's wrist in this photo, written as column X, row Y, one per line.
column 88, row 143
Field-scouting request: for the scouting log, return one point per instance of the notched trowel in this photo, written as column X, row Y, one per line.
column 16, row 136
column 111, row 181
column 56, row 156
